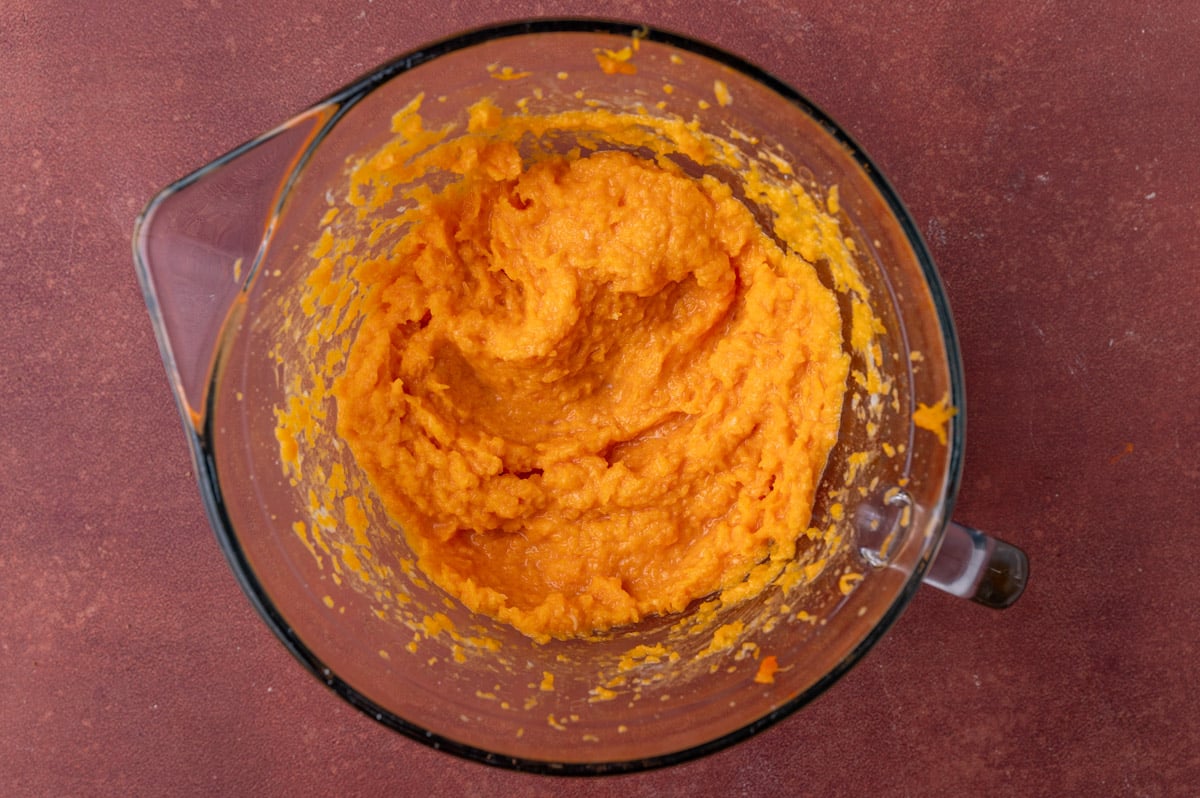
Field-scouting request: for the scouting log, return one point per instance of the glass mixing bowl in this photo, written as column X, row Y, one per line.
column 223, row 258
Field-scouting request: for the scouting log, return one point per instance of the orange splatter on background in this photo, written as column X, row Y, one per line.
column 1121, row 455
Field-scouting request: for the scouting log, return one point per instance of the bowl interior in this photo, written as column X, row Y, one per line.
column 345, row 597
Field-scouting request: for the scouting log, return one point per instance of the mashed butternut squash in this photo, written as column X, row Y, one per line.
column 588, row 386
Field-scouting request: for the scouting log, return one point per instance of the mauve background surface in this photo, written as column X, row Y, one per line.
column 1049, row 153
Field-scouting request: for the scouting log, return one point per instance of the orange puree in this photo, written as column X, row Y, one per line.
column 588, row 386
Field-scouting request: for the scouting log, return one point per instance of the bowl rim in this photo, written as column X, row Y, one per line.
column 202, row 437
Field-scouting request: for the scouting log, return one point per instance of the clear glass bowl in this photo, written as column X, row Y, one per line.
column 221, row 252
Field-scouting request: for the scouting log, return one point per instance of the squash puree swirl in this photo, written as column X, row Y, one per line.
column 588, row 387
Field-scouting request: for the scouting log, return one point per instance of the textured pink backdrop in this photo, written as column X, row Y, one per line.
column 1049, row 153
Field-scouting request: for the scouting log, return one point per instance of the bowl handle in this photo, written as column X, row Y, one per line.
column 970, row 564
